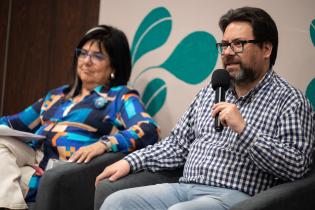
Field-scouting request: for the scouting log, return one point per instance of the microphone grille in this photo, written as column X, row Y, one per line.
column 220, row 78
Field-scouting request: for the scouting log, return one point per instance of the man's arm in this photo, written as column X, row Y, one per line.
column 172, row 151
column 286, row 155
column 168, row 153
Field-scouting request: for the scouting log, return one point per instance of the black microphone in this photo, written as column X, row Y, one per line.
column 220, row 83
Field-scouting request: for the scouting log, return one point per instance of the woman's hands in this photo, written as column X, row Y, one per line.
column 87, row 153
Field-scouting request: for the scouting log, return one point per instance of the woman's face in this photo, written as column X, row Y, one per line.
column 94, row 67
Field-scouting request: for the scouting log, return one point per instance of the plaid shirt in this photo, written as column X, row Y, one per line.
column 275, row 146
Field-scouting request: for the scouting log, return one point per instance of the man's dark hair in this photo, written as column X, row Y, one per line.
column 264, row 27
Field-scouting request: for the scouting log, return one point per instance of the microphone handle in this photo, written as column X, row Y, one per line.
column 219, row 97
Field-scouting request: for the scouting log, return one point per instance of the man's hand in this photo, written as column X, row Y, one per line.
column 229, row 116
column 113, row 172
column 87, row 153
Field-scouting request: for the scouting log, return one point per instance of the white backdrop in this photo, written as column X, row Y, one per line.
column 296, row 53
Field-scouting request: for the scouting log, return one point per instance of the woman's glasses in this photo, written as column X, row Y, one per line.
column 95, row 57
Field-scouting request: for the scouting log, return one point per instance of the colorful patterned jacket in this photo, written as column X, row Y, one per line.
column 116, row 114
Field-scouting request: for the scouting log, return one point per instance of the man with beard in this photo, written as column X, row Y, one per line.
column 267, row 137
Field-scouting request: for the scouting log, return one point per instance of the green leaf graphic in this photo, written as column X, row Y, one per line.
column 154, row 96
column 312, row 31
column 310, row 92
column 194, row 58
column 152, row 33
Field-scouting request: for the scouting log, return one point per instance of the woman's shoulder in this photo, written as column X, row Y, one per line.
column 122, row 90
column 59, row 90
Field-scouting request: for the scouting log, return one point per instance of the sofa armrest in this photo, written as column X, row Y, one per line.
column 288, row 196
column 142, row 178
column 71, row 186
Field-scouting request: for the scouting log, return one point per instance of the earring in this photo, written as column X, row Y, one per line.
column 112, row 76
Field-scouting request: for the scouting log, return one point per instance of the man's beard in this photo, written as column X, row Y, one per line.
column 244, row 76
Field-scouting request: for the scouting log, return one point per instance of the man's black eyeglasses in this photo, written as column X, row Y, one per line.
column 236, row 45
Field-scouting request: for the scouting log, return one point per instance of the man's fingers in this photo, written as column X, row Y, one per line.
column 217, row 108
column 114, row 172
column 115, row 176
column 222, row 119
column 105, row 174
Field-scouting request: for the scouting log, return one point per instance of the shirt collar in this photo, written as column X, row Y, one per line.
column 100, row 89
column 264, row 81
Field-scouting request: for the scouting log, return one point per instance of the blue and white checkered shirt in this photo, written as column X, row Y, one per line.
column 275, row 146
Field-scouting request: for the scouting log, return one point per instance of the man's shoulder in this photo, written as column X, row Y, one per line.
column 283, row 87
column 287, row 93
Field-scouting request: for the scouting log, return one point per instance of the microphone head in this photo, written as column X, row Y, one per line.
column 220, row 78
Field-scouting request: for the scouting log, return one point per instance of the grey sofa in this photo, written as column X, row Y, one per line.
column 71, row 186
column 297, row 195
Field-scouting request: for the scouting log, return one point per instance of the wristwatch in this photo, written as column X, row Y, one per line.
column 107, row 143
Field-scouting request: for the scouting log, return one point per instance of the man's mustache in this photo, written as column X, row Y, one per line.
column 230, row 61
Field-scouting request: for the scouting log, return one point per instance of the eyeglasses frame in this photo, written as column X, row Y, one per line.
column 220, row 45
column 81, row 54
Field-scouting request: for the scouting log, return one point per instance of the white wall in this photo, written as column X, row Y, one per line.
column 296, row 54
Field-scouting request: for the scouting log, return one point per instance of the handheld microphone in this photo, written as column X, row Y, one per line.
column 220, row 83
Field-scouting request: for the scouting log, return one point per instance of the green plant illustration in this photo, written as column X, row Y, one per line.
column 152, row 33
column 192, row 60
column 154, row 96
column 310, row 92
column 312, row 31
